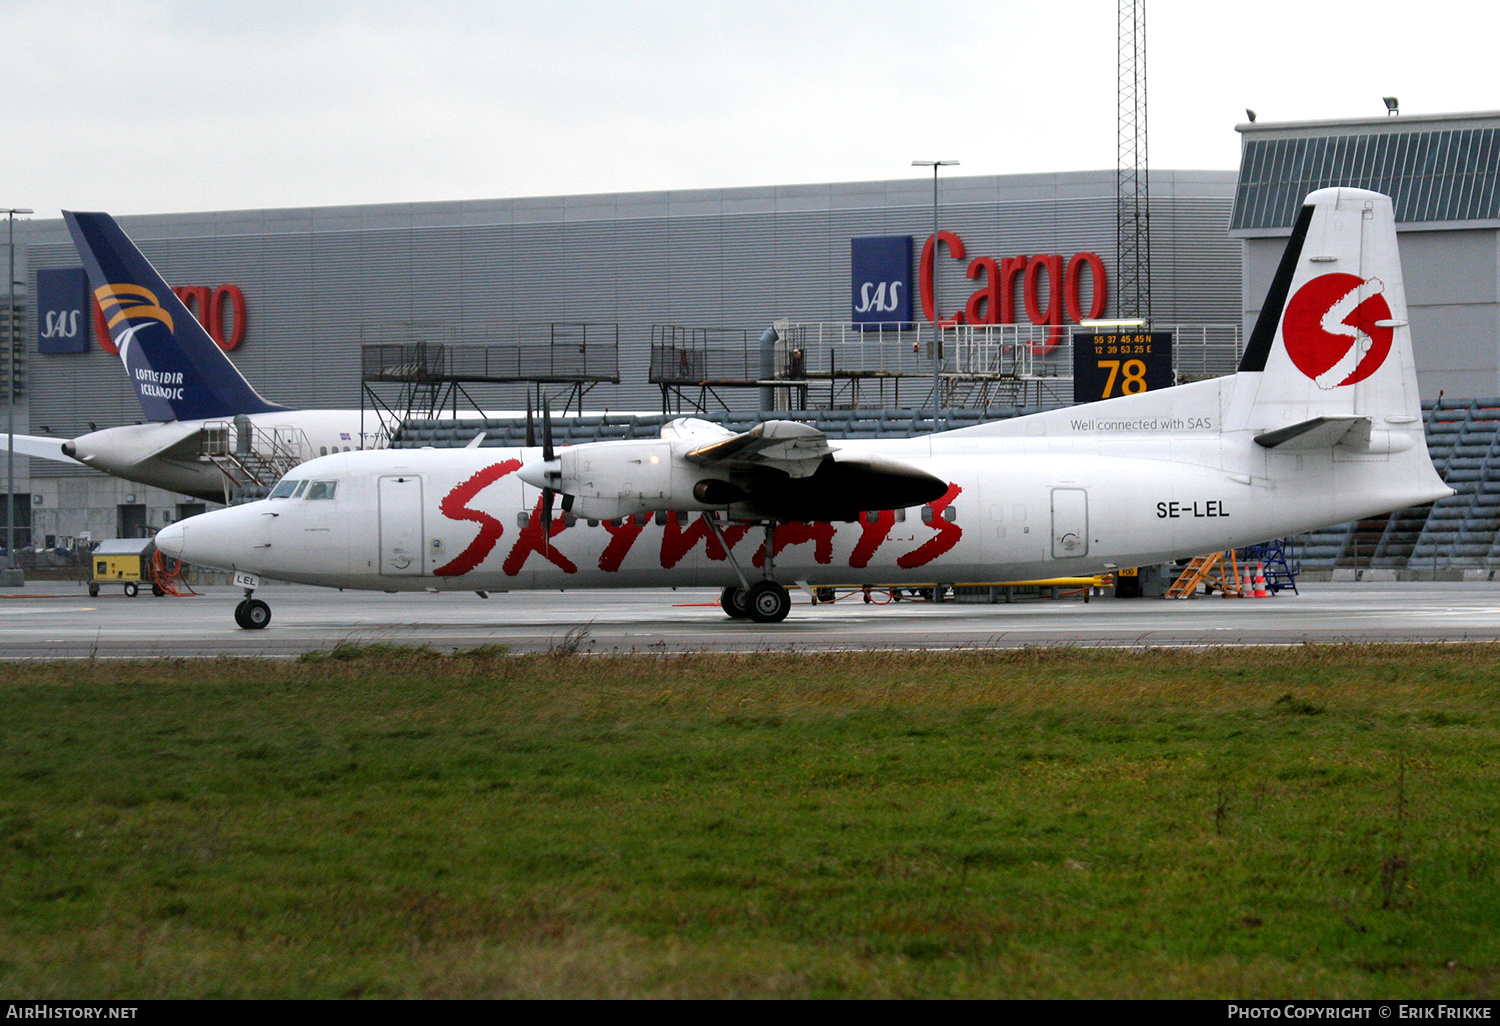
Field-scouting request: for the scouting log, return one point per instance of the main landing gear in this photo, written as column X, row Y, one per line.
column 252, row 614
column 764, row 601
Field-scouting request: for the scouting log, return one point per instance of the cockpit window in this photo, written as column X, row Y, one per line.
column 285, row 488
column 321, row 489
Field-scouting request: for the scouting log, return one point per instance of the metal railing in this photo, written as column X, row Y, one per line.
column 248, row 455
column 560, row 351
column 988, row 350
column 682, row 355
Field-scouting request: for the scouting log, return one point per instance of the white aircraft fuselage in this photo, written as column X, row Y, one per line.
column 1321, row 424
column 166, row 454
column 1048, row 495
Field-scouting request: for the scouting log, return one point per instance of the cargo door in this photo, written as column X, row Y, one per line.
column 401, row 534
column 1070, row 523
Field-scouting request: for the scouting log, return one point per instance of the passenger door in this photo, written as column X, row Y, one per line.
column 1070, row 523
column 401, row 530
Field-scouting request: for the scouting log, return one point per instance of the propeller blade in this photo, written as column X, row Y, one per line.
column 547, row 453
column 547, row 494
column 530, row 425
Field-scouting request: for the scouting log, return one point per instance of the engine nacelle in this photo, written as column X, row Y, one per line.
column 608, row 480
column 616, row 479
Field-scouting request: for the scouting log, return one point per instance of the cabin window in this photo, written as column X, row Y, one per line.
column 950, row 514
column 661, row 518
column 324, row 450
column 900, row 516
column 284, row 488
column 523, row 518
column 322, row 489
column 926, row 514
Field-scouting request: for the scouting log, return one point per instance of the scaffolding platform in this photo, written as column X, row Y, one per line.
column 852, row 366
column 436, row 374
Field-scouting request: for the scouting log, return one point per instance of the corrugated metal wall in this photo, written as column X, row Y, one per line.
column 723, row 258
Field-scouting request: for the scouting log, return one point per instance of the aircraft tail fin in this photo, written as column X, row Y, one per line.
column 178, row 372
column 1332, row 341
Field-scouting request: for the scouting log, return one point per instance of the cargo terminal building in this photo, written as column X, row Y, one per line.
column 295, row 294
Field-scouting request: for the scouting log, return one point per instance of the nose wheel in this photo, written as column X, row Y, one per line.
column 252, row 614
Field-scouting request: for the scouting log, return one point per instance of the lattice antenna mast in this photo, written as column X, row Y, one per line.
column 1132, row 179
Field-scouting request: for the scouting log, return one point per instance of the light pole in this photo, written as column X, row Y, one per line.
column 10, row 388
column 937, row 332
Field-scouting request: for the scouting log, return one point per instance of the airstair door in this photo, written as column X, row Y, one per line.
column 1070, row 523
column 401, row 534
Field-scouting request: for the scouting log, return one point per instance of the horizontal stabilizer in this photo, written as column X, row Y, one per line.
column 43, row 447
column 1317, row 433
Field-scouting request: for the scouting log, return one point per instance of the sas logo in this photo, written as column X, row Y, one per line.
column 60, row 323
column 62, row 297
column 880, row 280
column 1338, row 329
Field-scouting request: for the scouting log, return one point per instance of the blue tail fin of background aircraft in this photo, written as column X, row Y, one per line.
column 178, row 371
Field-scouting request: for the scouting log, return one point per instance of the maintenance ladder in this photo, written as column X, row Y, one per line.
column 1219, row 570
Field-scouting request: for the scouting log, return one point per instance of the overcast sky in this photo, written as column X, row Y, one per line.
column 153, row 106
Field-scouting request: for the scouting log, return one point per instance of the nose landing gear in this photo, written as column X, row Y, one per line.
column 252, row 614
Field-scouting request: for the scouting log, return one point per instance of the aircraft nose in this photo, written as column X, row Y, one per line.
column 172, row 540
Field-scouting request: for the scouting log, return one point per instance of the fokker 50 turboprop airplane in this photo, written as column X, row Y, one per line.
column 184, row 381
column 1321, row 424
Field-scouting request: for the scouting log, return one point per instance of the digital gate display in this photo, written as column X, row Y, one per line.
column 1109, row 364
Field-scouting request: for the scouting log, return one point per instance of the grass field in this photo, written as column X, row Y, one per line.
column 1311, row 822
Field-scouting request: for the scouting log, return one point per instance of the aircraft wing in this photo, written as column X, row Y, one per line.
column 45, row 447
column 797, row 449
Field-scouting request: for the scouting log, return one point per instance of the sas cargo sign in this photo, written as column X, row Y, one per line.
column 1051, row 286
column 64, row 306
column 881, row 279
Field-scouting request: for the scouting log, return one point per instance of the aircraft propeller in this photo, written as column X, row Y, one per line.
column 549, row 456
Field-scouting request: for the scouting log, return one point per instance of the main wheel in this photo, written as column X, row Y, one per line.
column 256, row 614
column 733, row 602
column 131, row 588
column 768, row 602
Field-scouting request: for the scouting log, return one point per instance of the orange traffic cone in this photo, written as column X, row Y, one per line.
column 1260, row 581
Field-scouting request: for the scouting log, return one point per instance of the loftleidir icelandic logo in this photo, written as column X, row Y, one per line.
column 128, row 302
column 139, row 308
column 1333, row 329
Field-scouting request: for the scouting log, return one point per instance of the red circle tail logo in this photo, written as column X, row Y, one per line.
column 1331, row 329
